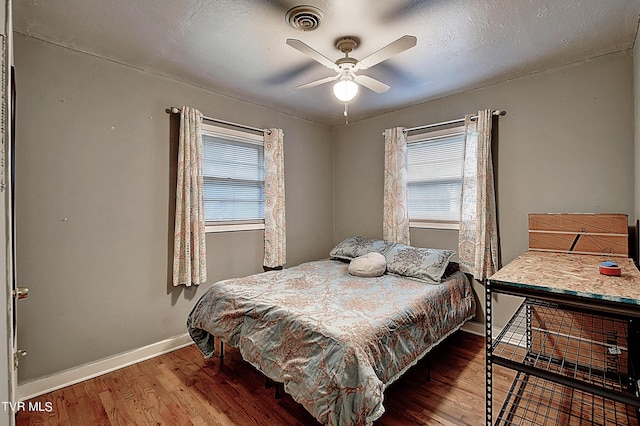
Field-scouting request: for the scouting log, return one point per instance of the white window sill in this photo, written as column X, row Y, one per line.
column 434, row 224
column 210, row 229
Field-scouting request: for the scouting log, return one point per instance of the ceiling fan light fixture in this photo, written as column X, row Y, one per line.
column 345, row 90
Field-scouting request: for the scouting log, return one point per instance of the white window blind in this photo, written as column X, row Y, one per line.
column 233, row 177
column 434, row 175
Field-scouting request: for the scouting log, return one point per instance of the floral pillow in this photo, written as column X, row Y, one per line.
column 425, row 264
column 353, row 247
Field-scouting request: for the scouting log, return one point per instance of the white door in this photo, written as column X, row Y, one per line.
column 8, row 369
column 8, row 374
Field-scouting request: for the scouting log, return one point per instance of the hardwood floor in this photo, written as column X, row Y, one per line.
column 181, row 388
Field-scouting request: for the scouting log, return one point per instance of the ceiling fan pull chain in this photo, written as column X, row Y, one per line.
column 346, row 117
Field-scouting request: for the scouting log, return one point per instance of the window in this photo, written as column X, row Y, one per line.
column 233, row 179
column 434, row 178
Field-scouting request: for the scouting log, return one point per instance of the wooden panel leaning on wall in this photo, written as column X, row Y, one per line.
column 579, row 233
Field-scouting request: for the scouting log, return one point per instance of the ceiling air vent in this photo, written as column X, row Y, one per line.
column 304, row 18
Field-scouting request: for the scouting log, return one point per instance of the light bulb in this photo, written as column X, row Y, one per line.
column 345, row 90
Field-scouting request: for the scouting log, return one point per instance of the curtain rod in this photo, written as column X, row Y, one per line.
column 444, row 123
column 176, row 110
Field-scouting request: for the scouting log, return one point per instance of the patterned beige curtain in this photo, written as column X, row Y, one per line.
column 275, row 231
column 395, row 224
column 478, row 239
column 189, row 247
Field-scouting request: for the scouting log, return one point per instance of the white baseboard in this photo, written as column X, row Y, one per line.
column 84, row 372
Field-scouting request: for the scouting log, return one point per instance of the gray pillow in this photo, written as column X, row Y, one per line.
column 353, row 247
column 425, row 264
column 368, row 265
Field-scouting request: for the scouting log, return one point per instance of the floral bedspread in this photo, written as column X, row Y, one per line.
column 335, row 340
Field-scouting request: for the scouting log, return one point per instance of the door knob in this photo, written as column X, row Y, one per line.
column 21, row 293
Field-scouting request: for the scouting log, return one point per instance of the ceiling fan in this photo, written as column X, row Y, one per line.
column 346, row 87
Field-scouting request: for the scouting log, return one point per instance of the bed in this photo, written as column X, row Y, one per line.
column 336, row 340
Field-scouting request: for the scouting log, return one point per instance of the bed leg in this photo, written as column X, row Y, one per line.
column 277, row 394
column 221, row 349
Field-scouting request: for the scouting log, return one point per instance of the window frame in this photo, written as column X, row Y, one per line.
column 243, row 136
column 421, row 137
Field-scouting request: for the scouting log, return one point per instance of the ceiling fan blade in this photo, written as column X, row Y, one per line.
column 400, row 45
column 290, row 74
column 406, row 9
column 318, row 82
column 371, row 83
column 312, row 53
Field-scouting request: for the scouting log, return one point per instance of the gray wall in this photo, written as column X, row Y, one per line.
column 565, row 145
column 95, row 176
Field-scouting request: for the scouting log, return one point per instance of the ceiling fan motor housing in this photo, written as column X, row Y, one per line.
column 347, row 44
column 346, row 62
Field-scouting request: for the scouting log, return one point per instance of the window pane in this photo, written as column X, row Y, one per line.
column 233, row 180
column 434, row 200
column 434, row 178
column 230, row 159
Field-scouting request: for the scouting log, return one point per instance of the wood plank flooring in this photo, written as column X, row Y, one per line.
column 182, row 388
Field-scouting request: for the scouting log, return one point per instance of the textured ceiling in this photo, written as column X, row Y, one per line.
column 237, row 47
